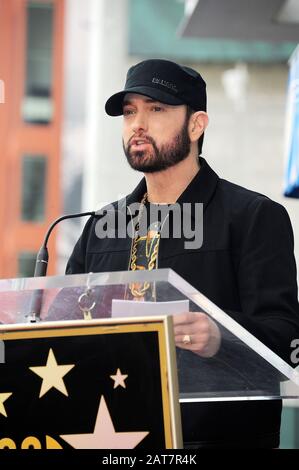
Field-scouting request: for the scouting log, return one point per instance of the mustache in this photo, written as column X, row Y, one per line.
column 146, row 138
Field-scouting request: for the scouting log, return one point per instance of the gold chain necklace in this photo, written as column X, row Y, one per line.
column 135, row 289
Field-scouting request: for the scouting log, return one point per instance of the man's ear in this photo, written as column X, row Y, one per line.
column 198, row 123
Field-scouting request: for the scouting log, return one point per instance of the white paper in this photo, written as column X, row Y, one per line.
column 132, row 308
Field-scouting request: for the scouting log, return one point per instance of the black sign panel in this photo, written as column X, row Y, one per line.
column 92, row 387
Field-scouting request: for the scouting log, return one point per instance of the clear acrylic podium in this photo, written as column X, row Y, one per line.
column 243, row 369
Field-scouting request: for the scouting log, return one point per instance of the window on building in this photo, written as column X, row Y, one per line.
column 33, row 188
column 37, row 106
column 26, row 263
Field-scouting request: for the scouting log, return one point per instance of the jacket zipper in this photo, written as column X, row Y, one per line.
column 157, row 262
column 132, row 239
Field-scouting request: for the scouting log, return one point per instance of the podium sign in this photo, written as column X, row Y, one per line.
column 98, row 384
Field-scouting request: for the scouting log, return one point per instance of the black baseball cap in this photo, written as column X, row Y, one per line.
column 164, row 81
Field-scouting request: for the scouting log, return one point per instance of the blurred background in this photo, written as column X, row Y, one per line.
column 59, row 153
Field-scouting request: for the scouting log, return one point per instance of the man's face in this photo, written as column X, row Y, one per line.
column 155, row 135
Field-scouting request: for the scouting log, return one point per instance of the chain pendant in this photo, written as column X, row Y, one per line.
column 139, row 292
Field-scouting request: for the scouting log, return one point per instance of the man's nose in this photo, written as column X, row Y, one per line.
column 140, row 123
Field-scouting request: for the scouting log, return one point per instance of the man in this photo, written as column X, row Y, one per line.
column 245, row 264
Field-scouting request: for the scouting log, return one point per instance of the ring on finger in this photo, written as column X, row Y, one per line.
column 187, row 339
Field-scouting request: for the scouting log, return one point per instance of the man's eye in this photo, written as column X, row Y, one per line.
column 127, row 112
column 157, row 108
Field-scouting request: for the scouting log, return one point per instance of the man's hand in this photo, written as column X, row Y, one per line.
column 196, row 332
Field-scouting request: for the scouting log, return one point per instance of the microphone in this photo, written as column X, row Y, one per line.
column 41, row 266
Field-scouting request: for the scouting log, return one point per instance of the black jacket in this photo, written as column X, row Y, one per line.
column 246, row 266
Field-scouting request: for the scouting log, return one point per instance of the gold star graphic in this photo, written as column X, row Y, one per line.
column 104, row 435
column 119, row 379
column 3, row 398
column 52, row 375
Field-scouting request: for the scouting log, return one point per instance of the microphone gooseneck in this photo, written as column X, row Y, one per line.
column 41, row 266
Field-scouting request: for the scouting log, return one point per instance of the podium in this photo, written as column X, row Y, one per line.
column 87, row 364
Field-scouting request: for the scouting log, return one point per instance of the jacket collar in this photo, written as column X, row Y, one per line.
column 200, row 189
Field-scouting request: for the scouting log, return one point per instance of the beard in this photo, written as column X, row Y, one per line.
column 159, row 159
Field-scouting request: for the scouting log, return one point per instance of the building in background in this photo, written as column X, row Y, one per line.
column 31, row 67
column 56, row 70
